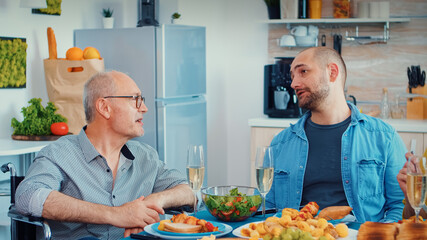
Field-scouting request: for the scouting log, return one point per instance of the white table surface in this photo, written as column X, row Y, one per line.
column 401, row 125
column 10, row 147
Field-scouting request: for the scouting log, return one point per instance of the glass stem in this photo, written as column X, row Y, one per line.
column 263, row 205
column 417, row 213
column 195, row 202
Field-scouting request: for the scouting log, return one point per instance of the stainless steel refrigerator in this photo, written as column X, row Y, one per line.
column 168, row 63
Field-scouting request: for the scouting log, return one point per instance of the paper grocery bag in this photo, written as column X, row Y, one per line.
column 64, row 82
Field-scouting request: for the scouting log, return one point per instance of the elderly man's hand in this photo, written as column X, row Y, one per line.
column 136, row 214
column 129, row 231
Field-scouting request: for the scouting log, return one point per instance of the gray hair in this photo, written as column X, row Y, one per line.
column 100, row 85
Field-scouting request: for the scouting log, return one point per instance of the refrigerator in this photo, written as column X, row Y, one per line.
column 168, row 63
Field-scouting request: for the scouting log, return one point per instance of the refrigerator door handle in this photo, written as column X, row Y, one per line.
column 183, row 101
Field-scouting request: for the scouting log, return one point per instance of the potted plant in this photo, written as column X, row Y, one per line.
column 108, row 19
column 273, row 7
column 175, row 16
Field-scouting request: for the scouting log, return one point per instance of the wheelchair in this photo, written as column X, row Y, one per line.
column 22, row 227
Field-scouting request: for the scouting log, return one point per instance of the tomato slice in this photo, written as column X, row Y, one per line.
column 252, row 209
column 209, row 226
column 227, row 213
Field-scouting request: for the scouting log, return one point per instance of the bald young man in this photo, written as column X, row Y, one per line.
column 334, row 155
column 99, row 183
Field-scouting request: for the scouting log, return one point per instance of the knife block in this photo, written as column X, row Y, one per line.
column 416, row 108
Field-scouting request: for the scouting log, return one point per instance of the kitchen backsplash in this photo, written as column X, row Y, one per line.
column 375, row 66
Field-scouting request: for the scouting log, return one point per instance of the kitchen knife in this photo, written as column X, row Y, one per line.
column 145, row 237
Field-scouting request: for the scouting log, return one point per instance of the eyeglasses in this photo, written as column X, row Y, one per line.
column 139, row 99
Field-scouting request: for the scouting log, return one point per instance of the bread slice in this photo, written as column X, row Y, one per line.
column 412, row 231
column 377, row 231
column 334, row 212
column 182, row 228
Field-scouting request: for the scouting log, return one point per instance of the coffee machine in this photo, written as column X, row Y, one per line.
column 280, row 100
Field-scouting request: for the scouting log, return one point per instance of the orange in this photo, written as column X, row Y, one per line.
column 90, row 53
column 74, row 53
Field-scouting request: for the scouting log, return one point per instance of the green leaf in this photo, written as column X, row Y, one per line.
column 37, row 119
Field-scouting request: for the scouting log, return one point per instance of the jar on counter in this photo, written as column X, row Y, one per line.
column 341, row 8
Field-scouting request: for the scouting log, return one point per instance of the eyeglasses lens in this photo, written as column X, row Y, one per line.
column 139, row 101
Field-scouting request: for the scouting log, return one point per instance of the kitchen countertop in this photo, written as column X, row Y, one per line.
column 401, row 125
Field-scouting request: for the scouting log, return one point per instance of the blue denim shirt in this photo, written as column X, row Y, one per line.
column 372, row 155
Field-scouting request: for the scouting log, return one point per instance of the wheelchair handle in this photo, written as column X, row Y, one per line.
column 9, row 167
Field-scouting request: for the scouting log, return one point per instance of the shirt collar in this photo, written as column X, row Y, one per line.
column 90, row 152
column 356, row 117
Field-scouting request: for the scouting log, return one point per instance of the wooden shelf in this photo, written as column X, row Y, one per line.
column 338, row 21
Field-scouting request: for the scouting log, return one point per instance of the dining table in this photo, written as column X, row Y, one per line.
column 204, row 214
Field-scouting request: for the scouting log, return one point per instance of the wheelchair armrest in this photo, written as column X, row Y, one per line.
column 37, row 221
column 15, row 215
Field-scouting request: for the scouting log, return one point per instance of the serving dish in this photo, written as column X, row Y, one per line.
column 352, row 234
column 150, row 230
column 231, row 203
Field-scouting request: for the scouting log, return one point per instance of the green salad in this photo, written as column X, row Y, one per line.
column 234, row 206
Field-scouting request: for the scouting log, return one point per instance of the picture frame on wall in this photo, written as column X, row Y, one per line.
column 53, row 8
column 13, row 62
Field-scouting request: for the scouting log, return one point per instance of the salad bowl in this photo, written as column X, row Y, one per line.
column 231, row 203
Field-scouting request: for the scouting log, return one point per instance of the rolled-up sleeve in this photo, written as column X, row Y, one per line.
column 33, row 191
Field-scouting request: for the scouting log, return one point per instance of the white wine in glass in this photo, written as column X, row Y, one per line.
column 264, row 171
column 416, row 183
column 195, row 170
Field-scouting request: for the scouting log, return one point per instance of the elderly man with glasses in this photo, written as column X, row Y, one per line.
column 99, row 183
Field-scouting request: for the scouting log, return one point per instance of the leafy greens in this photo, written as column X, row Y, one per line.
column 37, row 119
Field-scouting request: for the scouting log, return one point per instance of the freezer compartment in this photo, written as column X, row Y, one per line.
column 132, row 51
column 181, row 61
column 181, row 122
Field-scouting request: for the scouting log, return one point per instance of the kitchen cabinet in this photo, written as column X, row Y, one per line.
column 338, row 22
column 263, row 130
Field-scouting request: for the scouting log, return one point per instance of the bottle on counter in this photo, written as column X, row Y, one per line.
column 385, row 106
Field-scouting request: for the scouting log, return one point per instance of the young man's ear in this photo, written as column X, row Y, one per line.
column 103, row 108
column 333, row 71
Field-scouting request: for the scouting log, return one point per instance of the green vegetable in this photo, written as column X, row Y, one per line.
column 37, row 119
column 234, row 206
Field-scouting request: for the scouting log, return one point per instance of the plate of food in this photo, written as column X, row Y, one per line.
column 150, row 229
column 352, row 234
column 183, row 229
column 291, row 222
column 181, row 226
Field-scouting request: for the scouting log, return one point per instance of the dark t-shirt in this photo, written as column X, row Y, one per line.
column 322, row 179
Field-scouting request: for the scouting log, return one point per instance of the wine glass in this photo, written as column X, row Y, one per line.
column 416, row 183
column 264, row 171
column 195, row 170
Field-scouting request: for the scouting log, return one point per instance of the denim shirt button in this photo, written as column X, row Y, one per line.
column 301, row 167
column 345, row 158
column 297, row 192
column 347, row 181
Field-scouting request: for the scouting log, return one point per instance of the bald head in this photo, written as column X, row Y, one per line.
column 98, row 86
column 323, row 56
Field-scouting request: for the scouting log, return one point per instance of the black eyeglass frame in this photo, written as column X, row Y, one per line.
column 139, row 99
